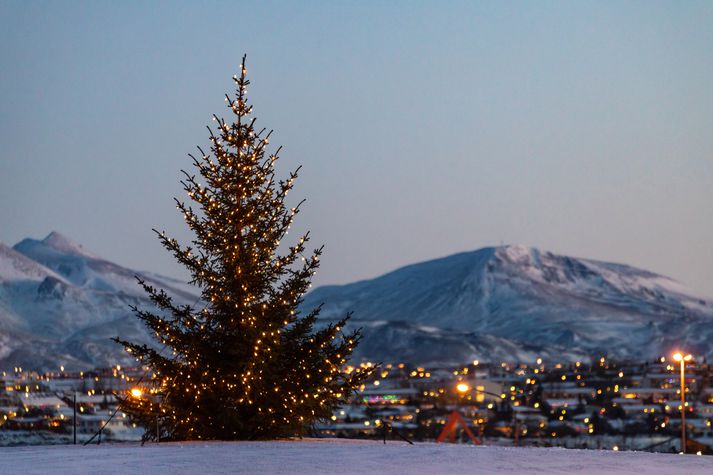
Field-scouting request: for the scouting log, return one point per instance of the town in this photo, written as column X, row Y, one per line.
column 598, row 404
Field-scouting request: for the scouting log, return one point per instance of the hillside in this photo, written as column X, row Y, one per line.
column 518, row 303
column 60, row 304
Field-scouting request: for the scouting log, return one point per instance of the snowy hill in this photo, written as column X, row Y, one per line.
column 517, row 303
column 326, row 456
column 60, row 305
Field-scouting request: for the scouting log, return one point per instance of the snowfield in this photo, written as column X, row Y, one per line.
column 327, row 456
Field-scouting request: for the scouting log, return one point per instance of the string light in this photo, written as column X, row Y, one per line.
column 243, row 357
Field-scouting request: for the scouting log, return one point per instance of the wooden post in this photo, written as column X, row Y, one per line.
column 74, row 417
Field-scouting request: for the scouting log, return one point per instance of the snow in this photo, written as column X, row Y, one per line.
column 516, row 303
column 327, row 456
column 60, row 304
column 16, row 266
column 66, row 245
column 38, row 400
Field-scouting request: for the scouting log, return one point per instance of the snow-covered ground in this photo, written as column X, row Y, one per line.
column 327, row 456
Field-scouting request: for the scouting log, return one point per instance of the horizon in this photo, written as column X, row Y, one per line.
column 424, row 130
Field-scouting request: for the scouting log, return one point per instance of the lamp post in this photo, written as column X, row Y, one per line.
column 137, row 393
column 74, row 417
column 464, row 388
column 682, row 360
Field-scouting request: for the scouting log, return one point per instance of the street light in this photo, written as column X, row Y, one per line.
column 682, row 359
column 464, row 388
column 137, row 393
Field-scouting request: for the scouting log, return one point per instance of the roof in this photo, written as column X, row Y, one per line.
column 648, row 390
column 386, row 391
column 32, row 400
column 569, row 402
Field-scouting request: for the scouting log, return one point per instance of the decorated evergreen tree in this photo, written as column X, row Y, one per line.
column 244, row 363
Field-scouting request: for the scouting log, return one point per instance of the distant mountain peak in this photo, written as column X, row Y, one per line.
column 514, row 302
column 516, row 252
column 62, row 243
column 58, row 302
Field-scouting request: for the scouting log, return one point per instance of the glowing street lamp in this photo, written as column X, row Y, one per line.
column 137, row 393
column 464, row 388
column 682, row 359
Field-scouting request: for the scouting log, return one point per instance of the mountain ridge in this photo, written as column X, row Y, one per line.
column 67, row 306
column 534, row 298
column 60, row 304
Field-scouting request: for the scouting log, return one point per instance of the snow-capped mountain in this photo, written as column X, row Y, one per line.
column 513, row 303
column 60, row 305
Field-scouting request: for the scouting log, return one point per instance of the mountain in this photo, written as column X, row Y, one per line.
column 60, row 305
column 513, row 303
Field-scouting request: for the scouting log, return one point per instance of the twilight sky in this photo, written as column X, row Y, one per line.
column 423, row 128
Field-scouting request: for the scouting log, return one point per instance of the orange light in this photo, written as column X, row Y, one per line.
column 136, row 392
column 462, row 388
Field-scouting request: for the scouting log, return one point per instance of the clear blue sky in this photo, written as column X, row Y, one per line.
column 424, row 128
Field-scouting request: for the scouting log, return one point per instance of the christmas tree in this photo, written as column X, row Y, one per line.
column 245, row 363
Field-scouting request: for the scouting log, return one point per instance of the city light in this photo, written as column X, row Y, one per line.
column 512, row 403
column 682, row 359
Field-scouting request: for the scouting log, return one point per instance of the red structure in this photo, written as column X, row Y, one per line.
column 451, row 427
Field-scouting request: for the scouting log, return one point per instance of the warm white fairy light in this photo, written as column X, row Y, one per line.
column 227, row 354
